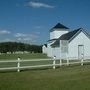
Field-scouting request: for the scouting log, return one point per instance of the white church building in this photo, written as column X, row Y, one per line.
column 65, row 43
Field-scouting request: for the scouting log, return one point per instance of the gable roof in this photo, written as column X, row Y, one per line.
column 70, row 36
column 59, row 26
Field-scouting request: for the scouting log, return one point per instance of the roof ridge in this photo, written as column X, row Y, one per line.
column 76, row 32
column 59, row 26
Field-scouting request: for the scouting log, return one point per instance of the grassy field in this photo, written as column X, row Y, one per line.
column 22, row 56
column 64, row 78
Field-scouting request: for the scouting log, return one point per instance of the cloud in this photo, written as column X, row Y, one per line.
column 26, row 37
column 38, row 5
column 20, row 35
column 4, row 32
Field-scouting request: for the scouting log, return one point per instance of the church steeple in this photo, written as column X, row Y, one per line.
column 59, row 26
column 58, row 30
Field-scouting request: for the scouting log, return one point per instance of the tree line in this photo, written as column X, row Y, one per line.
column 13, row 47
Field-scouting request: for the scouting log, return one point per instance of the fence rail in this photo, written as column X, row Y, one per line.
column 53, row 63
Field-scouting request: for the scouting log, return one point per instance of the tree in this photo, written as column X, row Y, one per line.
column 15, row 46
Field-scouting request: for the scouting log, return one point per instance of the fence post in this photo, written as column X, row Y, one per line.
column 82, row 60
column 18, row 65
column 54, row 58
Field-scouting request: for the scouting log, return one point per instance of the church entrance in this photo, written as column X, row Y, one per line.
column 80, row 51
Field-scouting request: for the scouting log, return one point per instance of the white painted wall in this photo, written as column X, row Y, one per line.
column 56, row 52
column 44, row 49
column 50, row 49
column 81, row 39
column 57, row 33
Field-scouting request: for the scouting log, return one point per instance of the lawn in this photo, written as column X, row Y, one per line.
column 22, row 56
column 64, row 78
column 74, row 77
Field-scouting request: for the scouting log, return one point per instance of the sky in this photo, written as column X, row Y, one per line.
column 29, row 21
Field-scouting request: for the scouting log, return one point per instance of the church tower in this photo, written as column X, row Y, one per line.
column 58, row 30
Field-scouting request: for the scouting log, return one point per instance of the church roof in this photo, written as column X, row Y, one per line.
column 59, row 26
column 70, row 36
column 52, row 39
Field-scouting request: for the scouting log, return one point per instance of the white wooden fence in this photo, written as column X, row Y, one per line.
column 53, row 64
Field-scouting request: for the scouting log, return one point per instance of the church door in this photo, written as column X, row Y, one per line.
column 80, row 51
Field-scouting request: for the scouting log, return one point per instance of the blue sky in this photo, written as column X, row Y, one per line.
column 29, row 21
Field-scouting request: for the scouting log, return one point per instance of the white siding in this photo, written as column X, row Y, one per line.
column 57, row 33
column 50, row 49
column 64, row 48
column 44, row 49
column 81, row 39
column 56, row 52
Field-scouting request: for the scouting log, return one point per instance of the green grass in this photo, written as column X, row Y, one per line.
column 23, row 56
column 64, row 78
